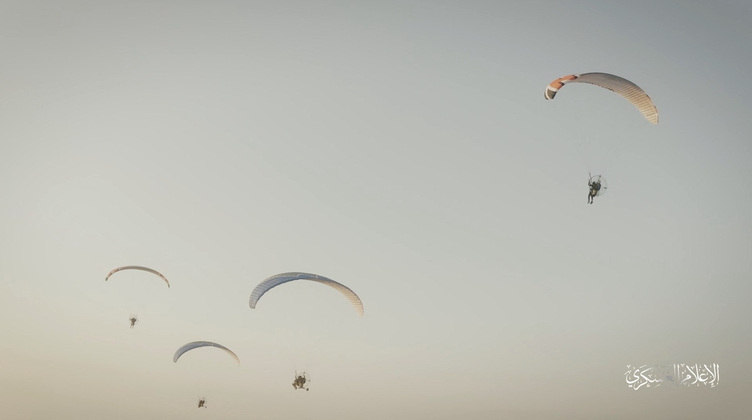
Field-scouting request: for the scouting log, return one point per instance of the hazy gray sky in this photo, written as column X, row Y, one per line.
column 402, row 148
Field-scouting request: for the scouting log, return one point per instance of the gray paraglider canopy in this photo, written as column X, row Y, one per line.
column 197, row 344
column 137, row 267
column 282, row 278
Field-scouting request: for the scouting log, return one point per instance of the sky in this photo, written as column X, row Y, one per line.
column 403, row 148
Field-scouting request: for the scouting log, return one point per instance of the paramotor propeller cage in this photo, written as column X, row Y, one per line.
column 598, row 179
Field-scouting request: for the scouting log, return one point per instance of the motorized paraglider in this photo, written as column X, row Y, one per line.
column 133, row 318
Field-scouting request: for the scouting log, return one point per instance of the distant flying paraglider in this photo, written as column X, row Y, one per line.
column 282, row 278
column 197, row 344
column 617, row 84
column 133, row 319
column 137, row 267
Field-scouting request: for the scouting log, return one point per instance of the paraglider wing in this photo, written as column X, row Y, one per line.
column 617, row 84
column 557, row 84
column 282, row 278
column 196, row 344
column 137, row 267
